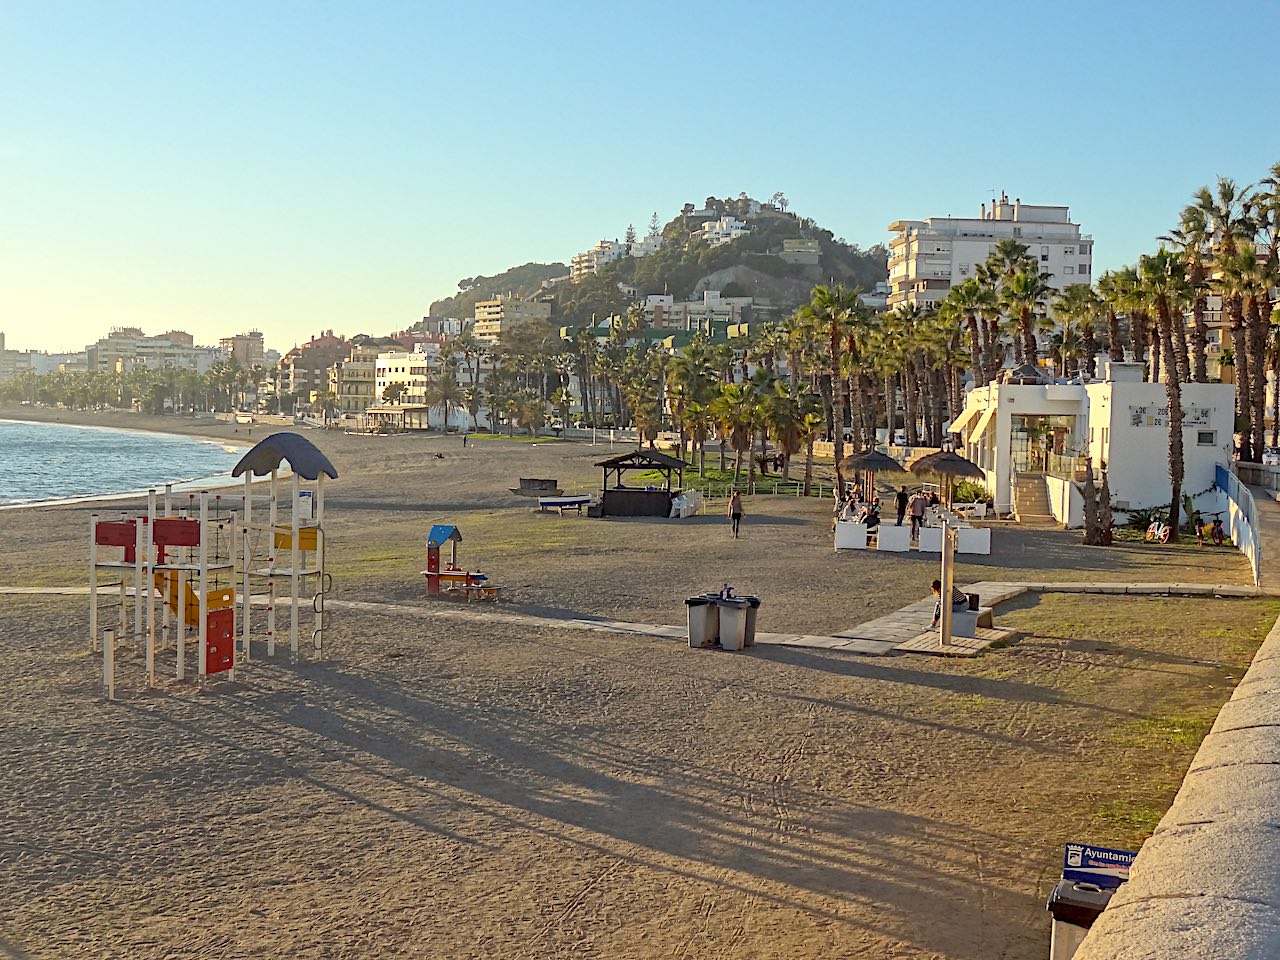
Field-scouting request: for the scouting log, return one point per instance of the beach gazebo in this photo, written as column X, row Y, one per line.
column 947, row 466
column 619, row 500
column 869, row 463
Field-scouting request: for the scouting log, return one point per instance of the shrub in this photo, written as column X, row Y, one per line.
column 968, row 491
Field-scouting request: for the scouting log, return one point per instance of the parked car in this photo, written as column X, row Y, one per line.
column 1271, row 457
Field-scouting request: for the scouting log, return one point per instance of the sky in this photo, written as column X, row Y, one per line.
column 295, row 167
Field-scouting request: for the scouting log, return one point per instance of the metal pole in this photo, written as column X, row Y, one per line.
column 203, row 598
column 271, row 569
column 140, row 538
column 109, row 662
column 294, row 564
column 151, row 593
column 93, row 582
column 948, row 581
column 246, row 560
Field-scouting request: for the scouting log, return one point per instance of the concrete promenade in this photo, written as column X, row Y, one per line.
column 1206, row 885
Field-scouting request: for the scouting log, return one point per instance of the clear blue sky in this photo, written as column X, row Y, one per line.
column 299, row 166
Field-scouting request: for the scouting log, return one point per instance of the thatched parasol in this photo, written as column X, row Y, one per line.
column 869, row 463
column 948, row 466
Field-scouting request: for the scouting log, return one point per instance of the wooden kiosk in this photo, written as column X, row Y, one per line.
column 619, row 500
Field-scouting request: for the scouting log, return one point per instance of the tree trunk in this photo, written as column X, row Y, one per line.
column 1137, row 336
column 1173, row 391
column 975, row 351
column 1179, row 336
column 909, row 405
column 891, row 407
column 1156, row 351
column 1199, row 336
column 1115, row 347
column 1244, row 396
column 1090, row 351
column 837, row 405
column 1092, row 531
column 1029, row 349
column 1258, row 374
column 808, row 466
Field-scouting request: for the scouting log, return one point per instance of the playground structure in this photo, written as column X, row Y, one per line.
column 179, row 563
column 451, row 581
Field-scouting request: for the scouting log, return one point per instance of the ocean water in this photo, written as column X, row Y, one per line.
column 42, row 461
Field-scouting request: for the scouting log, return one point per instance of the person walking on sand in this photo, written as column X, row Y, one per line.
column 735, row 515
column 901, row 500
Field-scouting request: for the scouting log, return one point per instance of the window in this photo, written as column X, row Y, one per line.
column 1043, row 251
column 1070, row 269
column 964, row 269
column 1044, row 258
column 1017, row 231
column 1084, row 268
column 1206, row 438
column 1069, row 252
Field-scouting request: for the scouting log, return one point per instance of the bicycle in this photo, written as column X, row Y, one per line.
column 1159, row 531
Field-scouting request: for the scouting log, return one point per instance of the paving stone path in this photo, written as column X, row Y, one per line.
column 895, row 633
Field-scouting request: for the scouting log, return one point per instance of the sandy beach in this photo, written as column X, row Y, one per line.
column 439, row 787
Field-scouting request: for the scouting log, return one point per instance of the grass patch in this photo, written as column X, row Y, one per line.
column 517, row 438
column 1186, row 541
column 717, row 482
column 1135, row 819
column 1163, row 732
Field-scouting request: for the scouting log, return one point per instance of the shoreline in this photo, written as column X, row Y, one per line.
column 91, row 421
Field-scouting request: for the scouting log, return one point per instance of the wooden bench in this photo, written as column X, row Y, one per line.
column 564, row 503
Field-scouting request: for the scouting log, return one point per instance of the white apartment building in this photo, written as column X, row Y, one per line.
column 928, row 257
column 13, row 363
column 125, row 348
column 495, row 316
column 724, row 230
column 589, row 261
column 662, row 312
column 650, row 244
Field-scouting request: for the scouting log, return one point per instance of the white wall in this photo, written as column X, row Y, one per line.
column 1066, row 501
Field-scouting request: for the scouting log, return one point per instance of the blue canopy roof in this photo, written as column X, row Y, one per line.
column 302, row 455
column 443, row 533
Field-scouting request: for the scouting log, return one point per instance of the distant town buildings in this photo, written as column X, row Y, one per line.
column 928, row 257
column 246, row 349
column 650, row 244
column 127, row 348
column 800, row 251
column 589, row 261
column 305, row 369
column 723, row 230
column 352, row 380
column 494, row 317
column 13, row 363
column 663, row 313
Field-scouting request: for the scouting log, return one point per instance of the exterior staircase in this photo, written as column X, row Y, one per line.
column 1031, row 499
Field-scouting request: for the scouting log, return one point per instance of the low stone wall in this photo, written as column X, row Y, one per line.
column 1206, row 885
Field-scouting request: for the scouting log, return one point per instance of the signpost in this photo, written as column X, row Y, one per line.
column 1103, row 866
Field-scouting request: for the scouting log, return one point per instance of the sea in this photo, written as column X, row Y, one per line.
column 44, row 461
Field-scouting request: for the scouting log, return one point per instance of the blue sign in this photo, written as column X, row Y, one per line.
column 1099, row 865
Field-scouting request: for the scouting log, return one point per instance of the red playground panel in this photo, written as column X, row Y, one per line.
column 174, row 532
column 220, row 652
column 118, row 533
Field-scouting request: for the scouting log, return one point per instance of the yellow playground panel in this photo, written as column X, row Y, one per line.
column 308, row 538
column 219, row 598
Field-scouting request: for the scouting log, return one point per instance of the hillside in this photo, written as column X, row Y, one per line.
column 687, row 265
column 522, row 281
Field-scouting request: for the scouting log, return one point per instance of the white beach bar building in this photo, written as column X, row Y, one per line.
column 1029, row 430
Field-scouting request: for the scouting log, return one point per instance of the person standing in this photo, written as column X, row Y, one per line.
column 735, row 515
column 901, row 500
column 917, row 507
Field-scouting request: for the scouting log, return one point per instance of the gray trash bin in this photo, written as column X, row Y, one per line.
column 749, row 637
column 733, row 622
column 704, row 621
column 1074, row 907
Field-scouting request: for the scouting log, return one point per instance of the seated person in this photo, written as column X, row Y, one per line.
column 870, row 515
column 959, row 601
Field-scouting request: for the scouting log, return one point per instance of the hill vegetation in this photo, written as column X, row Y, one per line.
column 687, row 265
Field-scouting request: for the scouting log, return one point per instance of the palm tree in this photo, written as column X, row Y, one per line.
column 1074, row 309
column 1022, row 296
column 784, row 410
column 830, row 310
column 473, row 399
column 1191, row 241
column 810, row 429
column 444, row 393
column 1110, row 294
column 1165, row 285
column 735, row 410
